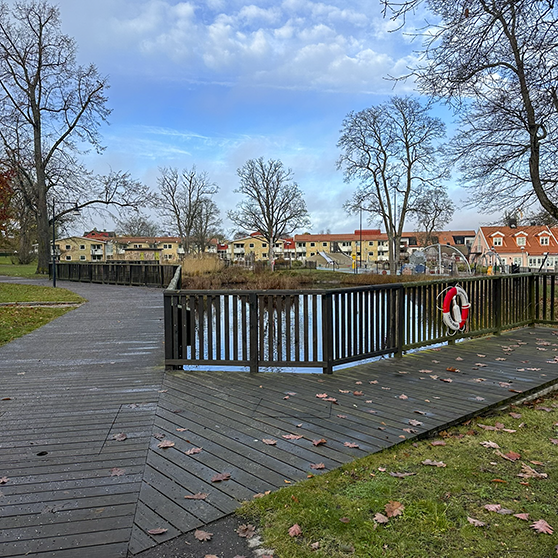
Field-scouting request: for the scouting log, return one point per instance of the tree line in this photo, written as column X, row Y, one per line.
column 492, row 62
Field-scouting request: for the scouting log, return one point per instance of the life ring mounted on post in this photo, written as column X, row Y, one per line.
column 455, row 314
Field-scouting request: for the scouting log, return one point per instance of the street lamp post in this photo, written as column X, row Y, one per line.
column 75, row 211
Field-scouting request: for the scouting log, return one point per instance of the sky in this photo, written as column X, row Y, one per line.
column 217, row 82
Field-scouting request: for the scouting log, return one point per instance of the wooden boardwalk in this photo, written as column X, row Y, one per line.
column 68, row 389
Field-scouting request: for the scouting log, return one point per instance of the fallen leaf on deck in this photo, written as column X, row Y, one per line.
column 452, row 369
column 319, row 442
column 458, row 358
column 344, row 391
column 342, row 416
column 321, row 395
column 447, row 380
column 358, row 383
column 193, row 451
column 476, row 522
column 269, row 442
column 292, row 436
column 202, row 535
column 403, row 396
column 425, row 371
column 159, row 436
column 351, row 445
column 317, row 466
column 358, row 393
column 4, row 480
column 481, row 356
column 480, row 365
column 433, row 463
column 410, row 430
column 414, row 422
column 393, row 508
column 181, row 429
column 221, row 477
column 261, row 494
column 499, row 358
column 373, row 382
column 157, row 531
column 116, row 472
column 331, row 400
column 295, row 530
column 120, row 437
column 165, row 444
column 198, row 496
column 541, row 526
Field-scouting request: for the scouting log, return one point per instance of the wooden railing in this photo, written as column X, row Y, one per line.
column 152, row 275
column 324, row 329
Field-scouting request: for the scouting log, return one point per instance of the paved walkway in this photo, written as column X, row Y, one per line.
column 68, row 390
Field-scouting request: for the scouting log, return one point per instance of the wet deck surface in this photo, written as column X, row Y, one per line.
column 68, row 389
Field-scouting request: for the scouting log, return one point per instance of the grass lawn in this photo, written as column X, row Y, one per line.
column 18, row 321
column 485, row 493
column 16, row 270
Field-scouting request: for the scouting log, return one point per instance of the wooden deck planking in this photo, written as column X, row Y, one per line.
column 228, row 414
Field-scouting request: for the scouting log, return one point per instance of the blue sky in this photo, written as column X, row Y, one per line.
column 217, row 82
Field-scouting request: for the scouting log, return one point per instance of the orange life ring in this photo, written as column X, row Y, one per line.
column 455, row 315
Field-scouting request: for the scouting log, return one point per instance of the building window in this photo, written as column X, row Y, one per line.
column 312, row 254
column 68, row 258
column 68, row 247
column 137, row 245
column 82, row 246
column 312, row 244
column 264, row 245
column 544, row 240
column 371, row 243
column 82, row 258
column 251, row 245
column 521, row 241
column 167, row 246
column 497, row 241
column 324, row 244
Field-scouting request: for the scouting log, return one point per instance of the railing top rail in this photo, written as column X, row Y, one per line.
column 467, row 279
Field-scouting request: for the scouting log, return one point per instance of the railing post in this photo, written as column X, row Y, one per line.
column 254, row 353
column 497, row 294
column 532, row 302
column 327, row 333
column 400, row 321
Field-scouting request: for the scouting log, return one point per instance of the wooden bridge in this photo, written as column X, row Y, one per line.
column 87, row 410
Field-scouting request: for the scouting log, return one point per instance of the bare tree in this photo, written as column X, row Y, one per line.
column 46, row 99
column 392, row 149
column 273, row 206
column 181, row 198
column 433, row 211
column 137, row 224
column 497, row 64
column 207, row 225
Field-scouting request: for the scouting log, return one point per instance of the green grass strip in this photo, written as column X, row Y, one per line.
column 12, row 292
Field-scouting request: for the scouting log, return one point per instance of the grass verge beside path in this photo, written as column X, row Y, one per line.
column 486, row 489
column 17, row 270
column 18, row 321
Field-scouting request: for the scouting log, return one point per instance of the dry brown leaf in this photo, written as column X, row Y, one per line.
column 193, row 451
column 246, row 531
column 202, row 535
column 438, row 443
column 452, row 369
column 165, row 444
column 269, row 442
column 351, row 445
column 476, row 522
column 489, row 444
column 321, row 395
column 292, row 436
column 319, row 442
column 295, row 530
column 381, row 518
column 402, row 475
column 403, row 396
column 158, row 531
column 394, row 508
column 117, row 472
column 120, row 437
column 433, row 463
column 221, row 477
column 522, row 516
column 541, row 526
column 4, row 480
column 493, row 507
column 414, row 422
column 528, row 472
column 515, row 415
column 181, row 429
column 198, row 496
column 358, row 393
column 317, row 466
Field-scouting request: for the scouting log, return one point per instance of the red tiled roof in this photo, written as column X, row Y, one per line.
column 532, row 235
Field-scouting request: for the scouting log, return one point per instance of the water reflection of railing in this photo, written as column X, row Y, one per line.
column 329, row 328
